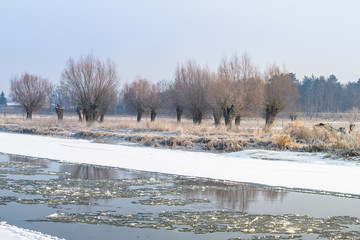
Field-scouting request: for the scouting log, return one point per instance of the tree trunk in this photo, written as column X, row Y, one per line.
column 197, row 116
column 228, row 113
column 59, row 112
column 179, row 112
column 199, row 119
column 237, row 121
column 226, row 116
column 153, row 115
column 270, row 117
column 139, row 115
column 87, row 115
column 102, row 118
column 293, row 117
column 217, row 117
column 91, row 113
column 80, row 113
column 28, row 113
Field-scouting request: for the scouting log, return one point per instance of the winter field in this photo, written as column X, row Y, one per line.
column 302, row 135
column 316, row 173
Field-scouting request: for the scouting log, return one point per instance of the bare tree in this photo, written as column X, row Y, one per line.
column 30, row 91
column 92, row 84
column 223, row 93
column 141, row 96
column 194, row 81
column 280, row 92
column 178, row 91
column 241, row 87
column 218, row 95
column 136, row 96
column 108, row 103
column 153, row 100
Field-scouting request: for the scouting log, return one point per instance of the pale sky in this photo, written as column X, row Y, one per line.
column 149, row 37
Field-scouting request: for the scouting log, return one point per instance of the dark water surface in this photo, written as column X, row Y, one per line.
column 79, row 201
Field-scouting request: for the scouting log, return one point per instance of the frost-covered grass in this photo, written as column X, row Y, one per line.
column 114, row 123
column 322, row 138
column 166, row 132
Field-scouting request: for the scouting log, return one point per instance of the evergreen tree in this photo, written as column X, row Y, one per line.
column 3, row 99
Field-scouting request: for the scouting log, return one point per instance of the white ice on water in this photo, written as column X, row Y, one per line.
column 273, row 168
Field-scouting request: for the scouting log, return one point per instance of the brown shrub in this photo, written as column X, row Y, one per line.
column 282, row 141
column 298, row 130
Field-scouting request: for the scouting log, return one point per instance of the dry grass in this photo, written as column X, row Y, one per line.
column 299, row 130
column 282, row 141
column 322, row 138
column 166, row 132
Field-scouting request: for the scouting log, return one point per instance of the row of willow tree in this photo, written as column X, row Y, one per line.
column 236, row 89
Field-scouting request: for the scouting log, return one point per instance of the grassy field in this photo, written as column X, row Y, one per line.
column 299, row 135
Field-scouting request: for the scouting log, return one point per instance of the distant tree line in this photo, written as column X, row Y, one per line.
column 321, row 94
column 234, row 90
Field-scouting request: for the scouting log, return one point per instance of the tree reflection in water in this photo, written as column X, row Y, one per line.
column 230, row 196
column 91, row 172
column 88, row 172
column 37, row 161
column 235, row 197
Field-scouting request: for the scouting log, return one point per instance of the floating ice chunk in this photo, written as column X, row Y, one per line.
column 54, row 215
column 290, row 231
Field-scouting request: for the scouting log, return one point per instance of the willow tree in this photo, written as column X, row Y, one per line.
column 240, row 88
column 136, row 95
column 153, row 100
column 219, row 94
column 194, row 82
column 178, row 92
column 30, row 91
column 280, row 93
column 92, row 84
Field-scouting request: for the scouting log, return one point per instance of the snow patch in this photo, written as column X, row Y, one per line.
column 303, row 157
column 10, row 232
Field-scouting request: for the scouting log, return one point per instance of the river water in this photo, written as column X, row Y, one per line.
column 79, row 201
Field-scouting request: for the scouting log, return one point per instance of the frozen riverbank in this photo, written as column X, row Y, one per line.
column 10, row 232
column 306, row 171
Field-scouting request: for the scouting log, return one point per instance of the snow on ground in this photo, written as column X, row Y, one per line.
column 10, row 232
column 285, row 169
column 304, row 157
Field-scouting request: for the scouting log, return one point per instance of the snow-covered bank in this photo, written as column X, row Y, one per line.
column 242, row 167
column 303, row 157
column 10, row 232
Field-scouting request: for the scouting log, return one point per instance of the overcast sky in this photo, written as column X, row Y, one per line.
column 149, row 37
